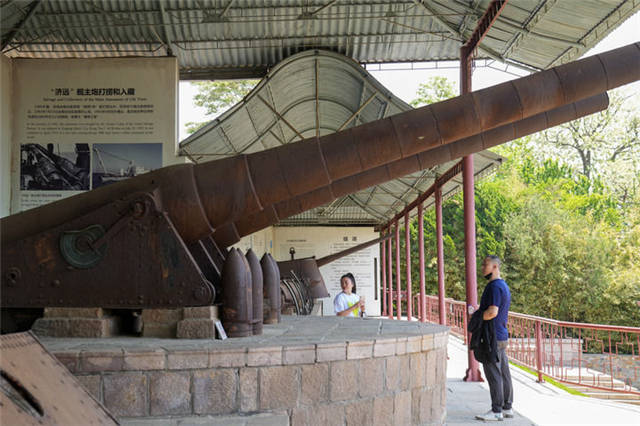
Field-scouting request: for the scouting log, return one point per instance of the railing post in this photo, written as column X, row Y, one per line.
column 423, row 306
column 539, row 351
column 390, row 272
column 383, row 269
column 407, row 251
column 440, row 253
column 398, row 279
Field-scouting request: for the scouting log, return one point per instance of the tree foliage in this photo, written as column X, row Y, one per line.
column 218, row 96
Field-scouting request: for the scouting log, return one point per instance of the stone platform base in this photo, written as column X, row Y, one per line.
column 317, row 370
column 76, row 322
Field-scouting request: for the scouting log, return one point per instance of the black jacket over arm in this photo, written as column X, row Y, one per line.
column 483, row 341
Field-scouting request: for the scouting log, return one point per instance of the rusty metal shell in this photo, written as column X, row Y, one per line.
column 257, row 283
column 237, row 301
column 271, row 295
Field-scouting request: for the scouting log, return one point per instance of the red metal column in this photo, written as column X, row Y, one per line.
column 390, row 272
column 473, row 372
column 407, row 251
column 440, row 250
column 383, row 271
column 398, row 278
column 423, row 306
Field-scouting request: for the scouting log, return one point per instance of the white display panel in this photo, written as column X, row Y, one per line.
column 82, row 123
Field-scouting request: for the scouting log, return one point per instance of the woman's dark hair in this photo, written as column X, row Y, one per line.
column 353, row 280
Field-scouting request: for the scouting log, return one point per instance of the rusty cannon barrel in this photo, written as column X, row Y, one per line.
column 205, row 196
column 229, row 234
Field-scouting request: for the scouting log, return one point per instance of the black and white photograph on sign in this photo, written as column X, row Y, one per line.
column 114, row 162
column 54, row 167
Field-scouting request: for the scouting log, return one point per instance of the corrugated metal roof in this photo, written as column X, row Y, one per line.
column 244, row 38
column 282, row 109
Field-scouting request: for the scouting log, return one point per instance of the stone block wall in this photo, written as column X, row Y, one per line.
column 381, row 381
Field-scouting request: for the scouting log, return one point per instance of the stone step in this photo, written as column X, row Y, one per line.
column 627, row 401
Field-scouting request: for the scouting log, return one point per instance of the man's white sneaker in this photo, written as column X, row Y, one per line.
column 507, row 413
column 490, row 416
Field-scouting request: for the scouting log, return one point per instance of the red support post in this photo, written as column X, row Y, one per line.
column 407, row 251
column 423, row 306
column 390, row 272
column 383, row 271
column 539, row 351
column 473, row 372
column 440, row 250
column 398, row 278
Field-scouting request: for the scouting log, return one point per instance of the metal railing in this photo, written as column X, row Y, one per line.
column 597, row 356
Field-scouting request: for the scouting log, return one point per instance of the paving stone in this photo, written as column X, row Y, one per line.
column 392, row 373
column 160, row 330
column 405, row 373
column 213, row 421
column 269, row 419
column 101, row 360
column 248, row 389
column 325, row 415
column 331, row 352
column 315, row 384
column 431, row 369
column 402, row 408
column 260, row 356
column 299, row 354
column 210, row 312
column 384, row 347
column 144, row 359
column 371, row 382
column 214, row 392
column 360, row 350
column 427, row 342
column 359, row 413
column 418, row 364
column 92, row 384
column 421, row 406
column 234, row 357
column 343, row 380
column 196, row 328
column 169, row 393
column 70, row 359
column 401, row 346
column 125, row 394
column 414, row 344
column 147, row 422
column 383, row 410
column 188, row 359
column 166, row 316
column 279, row 387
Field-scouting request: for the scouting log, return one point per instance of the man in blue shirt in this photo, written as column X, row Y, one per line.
column 494, row 304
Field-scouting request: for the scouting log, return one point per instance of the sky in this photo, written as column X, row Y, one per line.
column 404, row 84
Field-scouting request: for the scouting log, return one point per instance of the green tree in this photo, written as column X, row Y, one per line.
column 218, row 96
column 435, row 89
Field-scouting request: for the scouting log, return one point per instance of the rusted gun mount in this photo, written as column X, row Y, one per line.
column 125, row 254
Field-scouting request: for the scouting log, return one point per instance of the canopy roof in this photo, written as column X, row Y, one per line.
column 317, row 93
column 244, row 38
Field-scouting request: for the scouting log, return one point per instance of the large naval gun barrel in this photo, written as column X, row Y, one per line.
column 146, row 241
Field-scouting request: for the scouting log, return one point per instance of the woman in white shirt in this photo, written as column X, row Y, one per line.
column 347, row 303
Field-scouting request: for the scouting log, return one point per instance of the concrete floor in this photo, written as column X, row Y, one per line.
column 534, row 403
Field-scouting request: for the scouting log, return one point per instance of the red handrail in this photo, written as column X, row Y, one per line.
column 598, row 356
